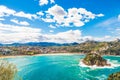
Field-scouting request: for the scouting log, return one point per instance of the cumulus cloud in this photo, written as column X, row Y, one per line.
column 51, row 26
column 23, row 34
column 71, row 36
column 45, row 2
column 104, row 38
column 25, row 15
column 40, row 13
column 52, row 1
column 4, row 11
column 2, row 19
column 76, row 16
column 12, row 33
column 64, row 37
column 51, row 31
column 20, row 22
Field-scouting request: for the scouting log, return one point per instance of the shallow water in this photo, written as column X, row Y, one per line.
column 61, row 67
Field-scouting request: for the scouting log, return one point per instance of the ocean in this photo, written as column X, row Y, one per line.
column 62, row 67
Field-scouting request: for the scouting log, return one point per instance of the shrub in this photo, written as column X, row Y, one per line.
column 114, row 76
column 7, row 70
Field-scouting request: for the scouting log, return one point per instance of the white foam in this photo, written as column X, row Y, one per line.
column 113, row 65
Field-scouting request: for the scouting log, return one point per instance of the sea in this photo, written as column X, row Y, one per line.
column 62, row 67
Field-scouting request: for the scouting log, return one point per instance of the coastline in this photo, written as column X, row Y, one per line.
column 48, row 54
column 113, row 65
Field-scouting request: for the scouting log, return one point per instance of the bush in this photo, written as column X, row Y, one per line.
column 114, row 76
column 7, row 70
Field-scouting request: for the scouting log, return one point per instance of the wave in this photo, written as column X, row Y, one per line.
column 113, row 64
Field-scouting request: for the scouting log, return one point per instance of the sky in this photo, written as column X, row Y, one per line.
column 59, row 21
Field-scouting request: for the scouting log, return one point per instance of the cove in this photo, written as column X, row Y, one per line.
column 61, row 67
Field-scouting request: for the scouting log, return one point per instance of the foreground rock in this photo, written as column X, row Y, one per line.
column 95, row 59
column 114, row 76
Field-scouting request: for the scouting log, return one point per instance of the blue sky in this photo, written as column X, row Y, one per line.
column 59, row 21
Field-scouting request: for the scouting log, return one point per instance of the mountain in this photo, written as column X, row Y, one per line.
column 42, row 44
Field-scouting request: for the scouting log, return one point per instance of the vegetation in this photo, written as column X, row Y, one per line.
column 95, row 59
column 114, row 76
column 103, row 48
column 7, row 70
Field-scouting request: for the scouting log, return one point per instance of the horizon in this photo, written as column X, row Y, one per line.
column 54, row 21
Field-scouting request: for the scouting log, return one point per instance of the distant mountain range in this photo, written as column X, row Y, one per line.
column 42, row 44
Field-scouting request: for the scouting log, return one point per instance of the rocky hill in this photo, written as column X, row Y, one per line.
column 107, row 48
column 95, row 59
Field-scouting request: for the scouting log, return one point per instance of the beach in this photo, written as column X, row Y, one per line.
column 48, row 54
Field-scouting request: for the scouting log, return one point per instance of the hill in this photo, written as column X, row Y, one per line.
column 109, row 48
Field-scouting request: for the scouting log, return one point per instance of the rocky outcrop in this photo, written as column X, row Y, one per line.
column 95, row 59
column 114, row 76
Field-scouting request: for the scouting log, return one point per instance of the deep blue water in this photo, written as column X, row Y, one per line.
column 61, row 67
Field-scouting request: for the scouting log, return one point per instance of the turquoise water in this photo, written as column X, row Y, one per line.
column 61, row 67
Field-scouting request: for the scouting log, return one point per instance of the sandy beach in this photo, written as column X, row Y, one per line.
column 49, row 54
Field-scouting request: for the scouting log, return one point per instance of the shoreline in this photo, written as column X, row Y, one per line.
column 113, row 65
column 48, row 54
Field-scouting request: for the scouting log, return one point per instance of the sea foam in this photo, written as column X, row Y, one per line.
column 113, row 63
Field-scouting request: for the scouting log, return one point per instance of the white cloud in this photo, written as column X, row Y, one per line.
column 48, row 20
column 51, row 26
column 76, row 16
column 12, row 33
column 23, row 34
column 25, row 15
column 20, row 22
column 72, row 36
column 43, row 2
column 100, row 15
column 40, row 13
column 52, row 1
column 104, row 38
column 4, row 11
column 119, row 17
column 64, row 37
column 51, row 31
column 2, row 19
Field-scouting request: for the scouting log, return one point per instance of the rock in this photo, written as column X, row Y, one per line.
column 95, row 59
column 114, row 76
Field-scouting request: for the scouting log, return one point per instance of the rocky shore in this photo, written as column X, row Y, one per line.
column 95, row 59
